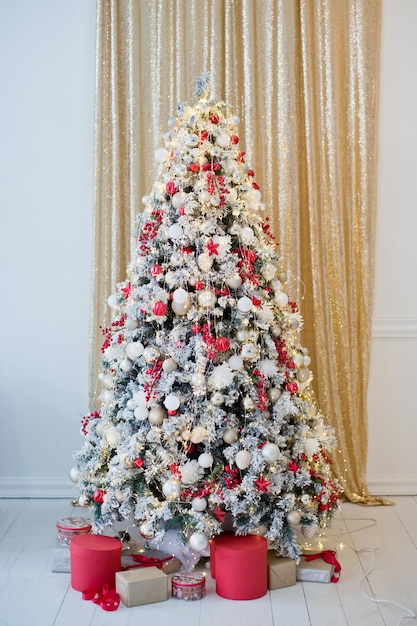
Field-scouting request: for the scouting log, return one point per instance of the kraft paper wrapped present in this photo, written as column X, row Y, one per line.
column 281, row 571
column 319, row 567
column 143, row 585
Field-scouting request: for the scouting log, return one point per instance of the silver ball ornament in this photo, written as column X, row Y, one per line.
column 293, row 517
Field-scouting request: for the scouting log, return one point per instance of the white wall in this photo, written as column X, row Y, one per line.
column 46, row 113
column 392, row 467
column 46, row 154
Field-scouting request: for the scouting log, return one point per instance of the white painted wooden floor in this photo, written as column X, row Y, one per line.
column 31, row 595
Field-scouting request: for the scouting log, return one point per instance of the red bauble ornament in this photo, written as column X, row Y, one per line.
column 181, row 211
column 234, row 139
column 172, row 412
column 199, row 285
column 98, row 496
column 159, row 308
column 189, row 447
column 194, row 167
column 171, row 188
column 214, row 119
column 222, row 344
column 138, row 462
column 156, row 269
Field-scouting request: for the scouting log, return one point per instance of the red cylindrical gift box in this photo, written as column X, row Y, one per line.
column 240, row 564
column 95, row 559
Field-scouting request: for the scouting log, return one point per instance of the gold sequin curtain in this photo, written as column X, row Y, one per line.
column 303, row 77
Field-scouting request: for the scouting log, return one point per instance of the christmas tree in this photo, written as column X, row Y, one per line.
column 206, row 410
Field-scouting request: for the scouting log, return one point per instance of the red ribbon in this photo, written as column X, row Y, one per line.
column 105, row 597
column 148, row 561
column 328, row 556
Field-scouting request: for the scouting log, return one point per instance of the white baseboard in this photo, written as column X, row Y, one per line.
column 37, row 487
column 379, row 485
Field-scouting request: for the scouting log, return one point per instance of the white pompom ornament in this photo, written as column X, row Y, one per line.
column 198, row 541
column 243, row 459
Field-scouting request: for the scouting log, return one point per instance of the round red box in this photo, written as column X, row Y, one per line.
column 240, row 566
column 188, row 586
column 95, row 559
column 69, row 527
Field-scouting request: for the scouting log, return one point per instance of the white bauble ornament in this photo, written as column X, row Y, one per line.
column 134, row 350
column 235, row 228
column 176, row 259
column 230, row 435
column 270, row 452
column 215, row 201
column 169, row 366
column 235, row 362
column 293, row 517
column 157, row 415
column 298, row 360
column 120, row 496
column 198, row 380
column 198, row 434
column 235, row 120
column 171, row 489
column 242, row 335
column 243, row 459
column 199, row 504
column 172, row 402
column 253, row 335
column 141, row 412
column 281, row 298
column 269, row 271
column 180, row 295
column 204, row 196
column 273, row 394
column 223, row 140
column 74, row 474
column 131, row 323
column 232, row 195
column 234, row 281
column 206, row 298
column 198, row 541
column 276, row 330
column 204, row 261
column 248, row 351
column 178, row 198
column 206, row 459
column 112, row 302
column 175, row 231
column 83, row 500
column 161, row 155
column 217, row 398
column 151, row 354
column 181, row 308
column 248, row 404
column 131, row 404
column 244, row 304
column 303, row 374
column 266, row 415
column 145, row 199
column 306, row 360
column 99, row 428
column 146, row 530
column 170, row 279
column 237, row 176
column 172, row 122
column 126, row 365
column 247, row 233
column 113, row 436
column 283, row 276
column 108, row 380
column 192, row 141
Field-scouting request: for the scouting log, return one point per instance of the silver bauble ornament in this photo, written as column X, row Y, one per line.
column 151, row 354
column 293, row 517
column 230, row 435
column 156, row 415
column 273, row 394
column 171, row 489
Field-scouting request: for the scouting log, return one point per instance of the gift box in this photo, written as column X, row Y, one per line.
column 60, row 560
column 188, row 586
column 69, row 527
column 320, row 567
column 167, row 563
column 94, row 560
column 281, row 571
column 143, row 585
column 239, row 565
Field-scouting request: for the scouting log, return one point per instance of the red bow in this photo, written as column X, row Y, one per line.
column 149, row 561
column 328, row 556
column 107, row 598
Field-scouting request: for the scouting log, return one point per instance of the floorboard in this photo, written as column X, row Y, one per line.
column 380, row 539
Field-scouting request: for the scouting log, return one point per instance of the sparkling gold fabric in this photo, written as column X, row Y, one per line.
column 303, row 77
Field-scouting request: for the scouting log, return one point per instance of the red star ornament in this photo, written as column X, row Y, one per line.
column 262, row 484
column 219, row 514
column 126, row 290
column 212, row 248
